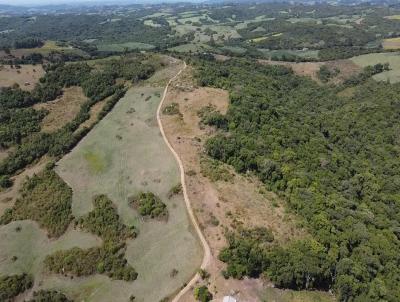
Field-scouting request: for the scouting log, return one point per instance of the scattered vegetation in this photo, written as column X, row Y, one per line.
column 172, row 109
column 214, row 170
column 12, row 286
column 108, row 259
column 49, row 296
column 104, row 222
column 45, row 198
column 150, row 205
column 175, row 190
column 325, row 73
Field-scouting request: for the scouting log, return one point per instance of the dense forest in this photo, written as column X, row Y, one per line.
column 334, row 159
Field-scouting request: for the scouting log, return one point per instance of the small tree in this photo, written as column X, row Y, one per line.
column 202, row 294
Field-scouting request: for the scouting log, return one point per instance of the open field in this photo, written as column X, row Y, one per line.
column 392, row 43
column 310, row 69
column 63, row 109
column 48, row 47
column 122, row 46
column 26, row 76
column 123, row 155
column 393, row 58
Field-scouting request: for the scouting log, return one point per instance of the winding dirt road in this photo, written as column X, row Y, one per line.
column 206, row 247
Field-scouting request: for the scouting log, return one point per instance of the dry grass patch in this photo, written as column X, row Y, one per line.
column 62, row 110
column 310, row 69
column 26, row 76
column 392, row 43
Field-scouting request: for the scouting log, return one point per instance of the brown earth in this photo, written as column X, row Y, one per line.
column 63, row 109
column 347, row 68
column 241, row 201
column 26, row 76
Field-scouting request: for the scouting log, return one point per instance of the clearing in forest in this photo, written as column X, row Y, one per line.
column 123, row 155
column 26, row 76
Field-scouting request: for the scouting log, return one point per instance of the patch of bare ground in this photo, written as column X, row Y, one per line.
column 310, row 69
column 26, row 76
column 220, row 205
column 8, row 196
column 63, row 109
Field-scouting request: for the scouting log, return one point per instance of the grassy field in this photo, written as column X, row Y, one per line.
column 392, row 43
column 123, row 155
column 392, row 58
column 30, row 245
column 122, row 46
column 26, row 76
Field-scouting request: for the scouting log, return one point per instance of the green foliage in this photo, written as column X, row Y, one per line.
column 12, row 286
column 211, row 117
column 246, row 254
column 334, row 160
column 104, row 222
column 148, row 204
column 108, row 259
column 49, row 296
column 202, row 294
column 175, row 190
column 45, row 198
column 28, row 43
column 325, row 74
column 214, row 169
column 5, row 181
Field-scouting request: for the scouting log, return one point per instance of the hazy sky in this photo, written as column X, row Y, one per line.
column 39, row 2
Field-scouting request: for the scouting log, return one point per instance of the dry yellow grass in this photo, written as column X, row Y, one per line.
column 26, row 76
column 63, row 109
column 392, row 43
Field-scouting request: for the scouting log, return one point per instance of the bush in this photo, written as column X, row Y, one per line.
column 45, row 198
column 150, row 205
column 202, row 294
column 5, row 182
column 12, row 286
column 49, row 296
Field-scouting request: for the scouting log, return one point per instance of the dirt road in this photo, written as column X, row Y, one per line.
column 207, row 252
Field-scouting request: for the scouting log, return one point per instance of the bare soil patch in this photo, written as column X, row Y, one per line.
column 63, row 109
column 26, row 76
column 219, row 205
column 310, row 69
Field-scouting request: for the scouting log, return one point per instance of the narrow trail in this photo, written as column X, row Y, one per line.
column 206, row 247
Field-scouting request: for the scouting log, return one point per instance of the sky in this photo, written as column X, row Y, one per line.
column 55, row 2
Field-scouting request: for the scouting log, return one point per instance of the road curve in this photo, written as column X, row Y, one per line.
column 206, row 247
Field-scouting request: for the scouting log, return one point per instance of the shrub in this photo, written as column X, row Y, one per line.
column 12, row 286
column 148, row 204
column 202, row 294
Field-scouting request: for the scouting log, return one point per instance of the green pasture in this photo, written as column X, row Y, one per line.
column 122, row 46
column 393, row 58
column 123, row 155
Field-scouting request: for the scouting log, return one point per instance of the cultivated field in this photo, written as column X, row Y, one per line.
column 393, row 58
column 123, row 155
column 26, row 76
column 392, row 43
